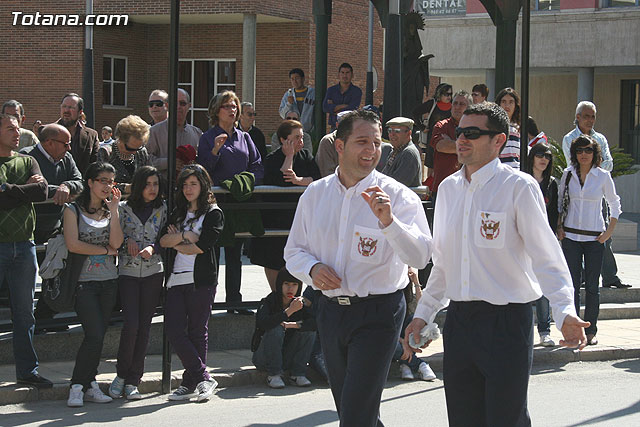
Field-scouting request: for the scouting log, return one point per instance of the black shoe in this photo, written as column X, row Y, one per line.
column 36, row 381
column 617, row 284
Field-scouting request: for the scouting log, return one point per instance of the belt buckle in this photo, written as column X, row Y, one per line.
column 344, row 301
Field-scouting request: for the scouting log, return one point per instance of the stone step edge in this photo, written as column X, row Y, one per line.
column 151, row 383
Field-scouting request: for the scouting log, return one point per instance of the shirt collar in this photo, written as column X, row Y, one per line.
column 482, row 175
column 366, row 182
column 47, row 155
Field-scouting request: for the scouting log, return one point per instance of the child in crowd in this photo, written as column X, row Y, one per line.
column 194, row 227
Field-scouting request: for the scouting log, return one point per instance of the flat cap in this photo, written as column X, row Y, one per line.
column 400, row 121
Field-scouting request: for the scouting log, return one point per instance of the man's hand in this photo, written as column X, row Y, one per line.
column 603, row 237
column 33, row 179
column 414, row 328
column 324, row 277
column 62, row 196
column 380, row 204
column 218, row 143
column 573, row 332
column 560, row 233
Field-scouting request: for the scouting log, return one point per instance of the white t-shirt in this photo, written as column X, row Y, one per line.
column 184, row 264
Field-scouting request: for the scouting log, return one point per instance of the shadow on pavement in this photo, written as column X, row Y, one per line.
column 315, row 419
column 610, row 416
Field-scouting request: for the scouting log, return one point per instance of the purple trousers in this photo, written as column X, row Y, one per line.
column 187, row 312
column 139, row 297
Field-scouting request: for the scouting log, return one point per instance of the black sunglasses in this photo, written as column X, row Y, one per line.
column 588, row 150
column 291, row 118
column 131, row 149
column 157, row 103
column 544, row 155
column 474, row 132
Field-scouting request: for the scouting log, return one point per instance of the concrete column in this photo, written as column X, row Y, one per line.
column 249, row 58
column 585, row 84
column 490, row 81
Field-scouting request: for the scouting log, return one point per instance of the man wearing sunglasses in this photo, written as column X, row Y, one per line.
column 247, row 123
column 494, row 253
column 158, row 145
column 401, row 159
column 585, row 120
column 158, row 106
column 64, row 181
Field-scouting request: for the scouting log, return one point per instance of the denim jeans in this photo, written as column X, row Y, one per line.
column 186, row 315
column 275, row 355
column 140, row 297
column 18, row 271
column 94, row 304
column 591, row 251
column 543, row 315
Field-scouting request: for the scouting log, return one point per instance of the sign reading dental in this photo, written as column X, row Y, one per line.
column 441, row 7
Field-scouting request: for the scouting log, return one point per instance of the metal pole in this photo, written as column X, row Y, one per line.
column 322, row 19
column 524, row 85
column 87, row 78
column 393, row 61
column 173, row 128
column 369, row 95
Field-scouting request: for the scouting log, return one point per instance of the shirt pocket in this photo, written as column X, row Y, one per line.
column 490, row 229
column 367, row 245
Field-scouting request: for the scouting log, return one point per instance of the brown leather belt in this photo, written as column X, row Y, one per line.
column 582, row 232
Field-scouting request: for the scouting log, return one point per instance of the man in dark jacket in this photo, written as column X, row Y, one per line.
column 84, row 140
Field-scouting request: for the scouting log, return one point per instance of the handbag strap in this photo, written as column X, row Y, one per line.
column 565, row 199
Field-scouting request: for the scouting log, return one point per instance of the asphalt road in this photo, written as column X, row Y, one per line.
column 576, row 394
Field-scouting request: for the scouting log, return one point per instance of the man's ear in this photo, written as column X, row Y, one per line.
column 339, row 144
column 500, row 141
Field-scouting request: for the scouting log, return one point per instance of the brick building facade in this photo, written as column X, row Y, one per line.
column 45, row 62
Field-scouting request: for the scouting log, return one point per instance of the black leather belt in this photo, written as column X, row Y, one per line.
column 582, row 232
column 348, row 300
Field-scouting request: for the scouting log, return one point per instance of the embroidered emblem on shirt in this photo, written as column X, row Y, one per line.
column 489, row 229
column 367, row 246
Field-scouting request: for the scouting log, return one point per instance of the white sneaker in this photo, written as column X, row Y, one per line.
column 182, row 393
column 76, row 396
column 131, row 392
column 405, row 372
column 300, row 380
column 205, row 389
column 546, row 340
column 116, row 388
column 94, row 394
column 275, row 381
column 425, row 372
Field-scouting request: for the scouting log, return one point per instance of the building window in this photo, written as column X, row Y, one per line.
column 202, row 79
column 114, row 81
column 630, row 118
column 547, row 5
column 622, row 3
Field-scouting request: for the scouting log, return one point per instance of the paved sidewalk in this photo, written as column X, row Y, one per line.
column 619, row 339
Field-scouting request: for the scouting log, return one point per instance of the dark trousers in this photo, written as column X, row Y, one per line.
column 140, row 297
column 94, row 304
column 187, row 313
column 358, row 342
column 232, row 270
column 591, row 252
column 488, row 350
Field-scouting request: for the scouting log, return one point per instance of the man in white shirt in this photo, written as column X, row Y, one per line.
column 585, row 121
column 493, row 252
column 353, row 235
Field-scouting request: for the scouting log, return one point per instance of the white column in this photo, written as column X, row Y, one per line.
column 490, row 81
column 585, row 84
column 249, row 58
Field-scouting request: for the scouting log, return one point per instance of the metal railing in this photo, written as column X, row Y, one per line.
column 235, row 206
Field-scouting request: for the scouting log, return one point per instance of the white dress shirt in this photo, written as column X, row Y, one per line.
column 492, row 243
column 585, row 202
column 334, row 225
column 607, row 160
